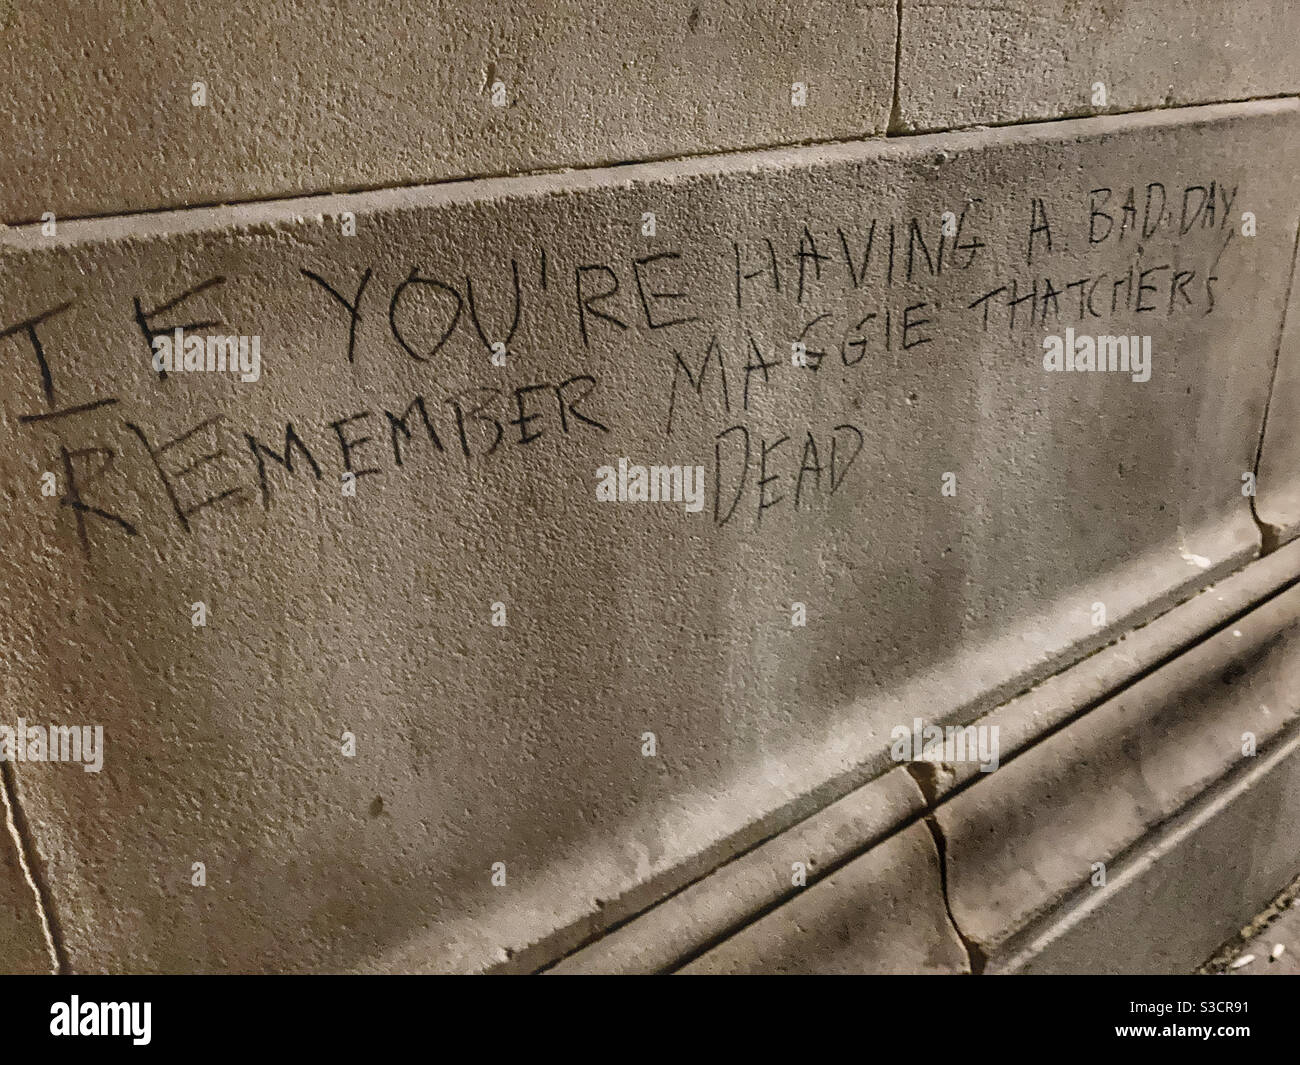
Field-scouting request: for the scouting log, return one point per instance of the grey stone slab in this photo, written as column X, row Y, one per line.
column 523, row 744
column 970, row 62
column 1045, row 830
column 881, row 913
column 334, row 97
column 1166, row 909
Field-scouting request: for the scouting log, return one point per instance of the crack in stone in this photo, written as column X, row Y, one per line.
column 1271, row 535
column 975, row 956
column 28, row 860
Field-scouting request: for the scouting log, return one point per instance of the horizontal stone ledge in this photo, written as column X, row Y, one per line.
column 728, row 898
column 1023, row 721
column 1047, row 830
column 1171, row 904
column 739, row 892
column 881, row 913
column 568, row 703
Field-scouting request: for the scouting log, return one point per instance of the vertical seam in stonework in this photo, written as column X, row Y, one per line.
column 1268, row 535
column 895, row 123
column 28, row 859
column 975, row 958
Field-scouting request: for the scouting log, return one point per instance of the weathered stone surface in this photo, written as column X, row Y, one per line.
column 523, row 744
column 968, row 62
column 332, row 97
column 881, row 913
column 23, row 946
column 726, row 899
column 1277, row 503
column 1022, row 721
column 1028, row 838
column 1174, row 901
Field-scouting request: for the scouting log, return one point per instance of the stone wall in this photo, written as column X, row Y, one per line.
column 394, row 668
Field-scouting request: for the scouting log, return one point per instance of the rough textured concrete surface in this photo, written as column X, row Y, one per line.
column 504, row 786
column 1168, row 906
column 729, row 897
column 99, row 112
column 23, row 946
column 881, row 913
column 968, row 62
column 1277, row 504
column 1031, row 836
